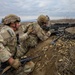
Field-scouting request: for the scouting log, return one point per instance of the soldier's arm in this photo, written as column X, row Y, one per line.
column 23, row 37
column 40, row 33
column 48, row 33
column 26, row 34
column 42, row 36
column 6, row 56
column 25, row 27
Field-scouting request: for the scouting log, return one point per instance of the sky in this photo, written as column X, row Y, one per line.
column 31, row 9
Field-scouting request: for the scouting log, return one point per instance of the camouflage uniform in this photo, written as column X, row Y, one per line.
column 38, row 32
column 8, row 43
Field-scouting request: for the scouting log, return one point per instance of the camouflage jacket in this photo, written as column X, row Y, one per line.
column 38, row 31
column 8, row 43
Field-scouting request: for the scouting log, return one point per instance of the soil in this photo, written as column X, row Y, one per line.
column 55, row 58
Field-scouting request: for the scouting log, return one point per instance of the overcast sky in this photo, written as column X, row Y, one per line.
column 31, row 9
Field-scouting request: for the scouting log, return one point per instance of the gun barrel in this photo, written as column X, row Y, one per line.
column 25, row 60
column 60, row 25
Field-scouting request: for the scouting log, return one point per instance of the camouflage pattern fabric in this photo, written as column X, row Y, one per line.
column 5, row 36
column 39, row 32
column 25, row 70
column 31, row 41
column 7, row 48
column 10, row 19
column 42, row 19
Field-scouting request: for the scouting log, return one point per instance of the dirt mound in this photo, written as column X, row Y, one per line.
column 58, row 59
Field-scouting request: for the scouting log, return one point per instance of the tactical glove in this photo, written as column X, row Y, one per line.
column 16, row 64
column 48, row 33
column 29, row 66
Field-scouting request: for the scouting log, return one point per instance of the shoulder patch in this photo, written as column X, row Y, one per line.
column 6, row 32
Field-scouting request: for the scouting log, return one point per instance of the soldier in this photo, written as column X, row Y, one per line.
column 38, row 30
column 44, row 21
column 8, row 43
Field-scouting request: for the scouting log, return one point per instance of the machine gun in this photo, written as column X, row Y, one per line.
column 59, row 30
column 58, row 27
column 23, row 61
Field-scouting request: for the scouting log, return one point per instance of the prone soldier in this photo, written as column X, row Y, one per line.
column 38, row 33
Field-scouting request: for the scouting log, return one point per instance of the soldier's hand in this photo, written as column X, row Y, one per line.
column 48, row 33
column 30, row 29
column 16, row 64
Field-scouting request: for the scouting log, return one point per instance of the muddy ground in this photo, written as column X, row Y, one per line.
column 58, row 58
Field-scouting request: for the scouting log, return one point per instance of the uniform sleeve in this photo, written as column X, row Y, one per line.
column 25, row 27
column 4, row 54
column 40, row 33
column 23, row 37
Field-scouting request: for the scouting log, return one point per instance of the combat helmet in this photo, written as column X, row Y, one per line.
column 42, row 19
column 10, row 19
